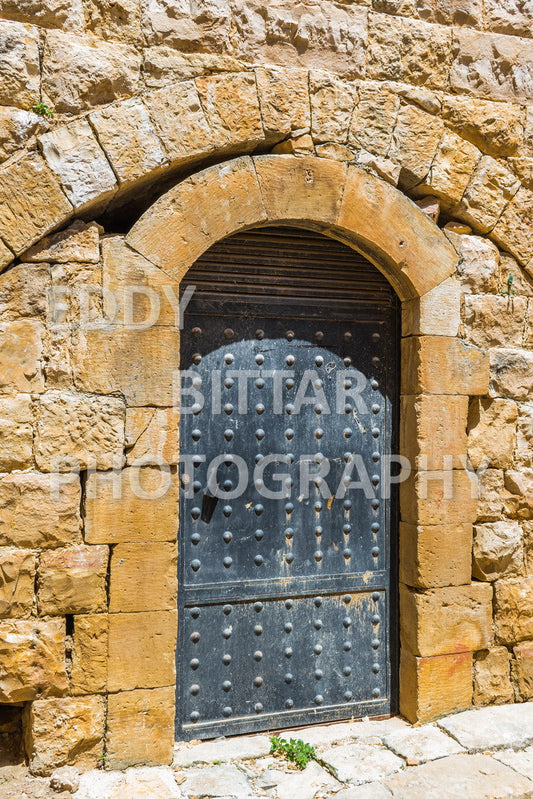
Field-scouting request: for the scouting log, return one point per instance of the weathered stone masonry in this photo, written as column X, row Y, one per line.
column 409, row 105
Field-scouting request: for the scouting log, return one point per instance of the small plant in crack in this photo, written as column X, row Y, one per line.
column 294, row 750
column 43, row 110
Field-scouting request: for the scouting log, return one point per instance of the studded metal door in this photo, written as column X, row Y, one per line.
column 289, row 393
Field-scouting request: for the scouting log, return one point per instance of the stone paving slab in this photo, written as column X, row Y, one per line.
column 422, row 744
column 458, row 776
column 242, row 747
column 519, row 761
column 299, row 784
column 509, row 726
column 368, row 731
column 358, row 762
column 216, row 781
column 372, row 790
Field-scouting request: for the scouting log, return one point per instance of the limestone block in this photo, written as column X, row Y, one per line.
column 225, row 199
column 68, row 149
column 447, row 620
column 509, row 16
column 19, row 64
column 72, row 581
column 6, row 255
column 152, row 436
column 75, row 297
column 140, row 365
column 32, row 659
column 381, row 167
column 231, row 107
column 129, row 140
column 522, row 166
column 21, row 352
column 79, row 72
column 185, row 133
column 492, row 680
column 58, row 367
column 17, row 126
column 524, row 435
column 421, row 745
column 119, row 21
column 504, row 727
column 79, row 243
column 436, row 313
column 374, row 118
column 131, row 506
column 443, row 365
column 434, row 556
column 492, row 432
column 384, row 223
column 519, row 483
column 89, row 654
column 357, row 763
column 332, row 104
column 514, row 229
column 187, row 27
column 66, row 14
column 134, row 587
column 284, row 100
column 16, row 432
column 496, row 128
column 492, row 495
column 511, row 373
column 491, row 65
column 60, row 731
column 479, row 264
column 415, row 141
column 523, row 669
column 489, row 191
column 25, row 185
column 434, row 427
column 23, row 292
column 17, row 581
column 136, row 293
column 76, row 431
column 492, row 321
column 434, row 686
column 460, row 12
column 141, row 650
column 163, row 66
column 451, row 169
column 513, row 610
column 140, row 728
column 495, row 547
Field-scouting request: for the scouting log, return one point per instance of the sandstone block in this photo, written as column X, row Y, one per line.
column 76, row 431
column 496, row 544
column 511, row 373
column 436, row 313
column 17, row 128
column 119, row 22
column 381, row 167
column 509, row 16
column 523, row 669
column 284, row 100
column 32, row 659
column 434, row 556
column 492, row 186
column 23, row 291
column 524, row 435
column 332, row 105
column 16, row 432
column 492, row 495
column 19, row 64
column 443, row 365
column 514, row 229
column 163, row 66
column 17, row 581
column 519, row 484
column 479, row 264
column 72, row 581
column 513, row 610
column 21, row 352
column 492, row 432
column 25, row 185
column 433, row 428
column 76, row 297
column 491, row 65
column 129, row 140
column 496, row 128
column 131, row 506
column 79, row 72
column 60, row 731
column 79, row 243
column 184, row 135
column 434, row 686
column 136, row 293
column 141, row 650
column 135, row 588
column 6, row 255
column 374, row 118
column 48, row 13
column 152, row 436
column 89, row 654
column 172, row 238
column 186, row 28
column 451, row 169
column 415, row 141
column 494, row 321
column 443, row 621
column 140, row 365
column 140, row 728
column 492, row 680
column 444, row 496
column 67, row 150
column 231, row 108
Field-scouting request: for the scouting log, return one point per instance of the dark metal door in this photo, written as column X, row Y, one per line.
column 289, row 394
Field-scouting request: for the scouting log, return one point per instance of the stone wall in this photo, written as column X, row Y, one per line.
column 426, row 99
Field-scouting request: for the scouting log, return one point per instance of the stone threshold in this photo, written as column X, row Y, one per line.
column 484, row 753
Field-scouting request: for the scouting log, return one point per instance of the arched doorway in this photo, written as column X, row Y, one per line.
column 287, row 583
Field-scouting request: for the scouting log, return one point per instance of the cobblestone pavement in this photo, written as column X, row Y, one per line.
column 479, row 754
